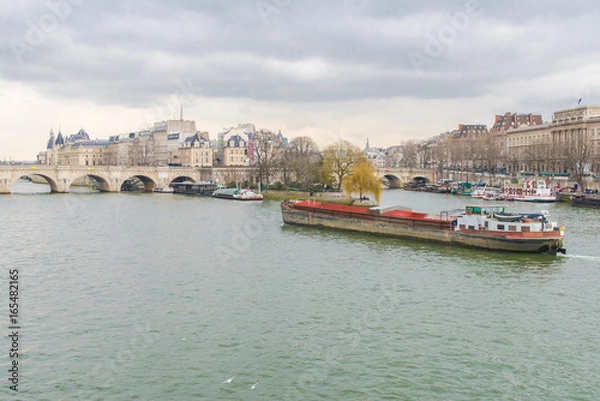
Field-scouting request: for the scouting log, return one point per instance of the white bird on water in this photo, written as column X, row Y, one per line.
column 228, row 380
column 254, row 385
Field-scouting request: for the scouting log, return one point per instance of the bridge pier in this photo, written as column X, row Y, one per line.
column 5, row 185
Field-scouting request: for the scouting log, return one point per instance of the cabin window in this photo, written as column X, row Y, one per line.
column 525, row 229
column 512, row 228
column 462, row 226
column 501, row 227
column 471, row 227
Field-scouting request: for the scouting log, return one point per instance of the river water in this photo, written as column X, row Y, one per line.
column 137, row 296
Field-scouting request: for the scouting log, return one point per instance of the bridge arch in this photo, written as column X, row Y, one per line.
column 103, row 184
column 181, row 178
column 149, row 182
column 391, row 181
column 421, row 179
column 53, row 184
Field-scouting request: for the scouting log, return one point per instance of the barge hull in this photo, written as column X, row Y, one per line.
column 433, row 230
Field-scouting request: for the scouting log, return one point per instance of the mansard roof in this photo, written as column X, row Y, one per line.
column 236, row 141
column 92, row 143
column 79, row 136
column 515, row 120
column 193, row 138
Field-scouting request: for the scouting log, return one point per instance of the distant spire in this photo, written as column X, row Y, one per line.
column 50, row 144
column 181, row 113
column 367, row 148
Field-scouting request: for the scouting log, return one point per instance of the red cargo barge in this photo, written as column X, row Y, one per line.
column 487, row 227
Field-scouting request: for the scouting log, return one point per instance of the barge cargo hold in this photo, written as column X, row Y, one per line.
column 477, row 226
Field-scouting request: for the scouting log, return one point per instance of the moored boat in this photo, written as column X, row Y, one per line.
column 164, row 190
column 585, row 200
column 491, row 195
column 202, row 188
column 476, row 226
column 532, row 191
column 479, row 192
column 243, row 194
column 462, row 188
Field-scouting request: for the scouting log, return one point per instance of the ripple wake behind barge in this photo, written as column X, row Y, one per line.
column 477, row 226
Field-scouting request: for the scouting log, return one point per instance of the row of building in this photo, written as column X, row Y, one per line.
column 167, row 143
column 515, row 143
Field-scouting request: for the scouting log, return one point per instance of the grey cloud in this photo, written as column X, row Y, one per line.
column 133, row 52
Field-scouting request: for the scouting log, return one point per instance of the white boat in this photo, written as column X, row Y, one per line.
column 485, row 193
column 532, row 191
column 491, row 195
column 243, row 194
column 479, row 192
column 164, row 190
column 247, row 194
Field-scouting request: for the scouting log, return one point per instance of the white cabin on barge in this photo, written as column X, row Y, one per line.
column 495, row 219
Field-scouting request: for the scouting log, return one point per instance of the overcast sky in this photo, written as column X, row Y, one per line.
column 355, row 69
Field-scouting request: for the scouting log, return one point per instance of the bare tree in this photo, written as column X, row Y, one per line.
column 456, row 148
column 301, row 160
column 409, row 154
column 441, row 156
column 268, row 151
column 577, row 154
column 492, row 150
column 423, row 155
column 141, row 152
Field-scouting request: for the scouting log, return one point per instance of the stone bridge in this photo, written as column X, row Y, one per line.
column 111, row 178
column 397, row 177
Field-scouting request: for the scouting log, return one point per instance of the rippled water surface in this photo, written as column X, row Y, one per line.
column 159, row 296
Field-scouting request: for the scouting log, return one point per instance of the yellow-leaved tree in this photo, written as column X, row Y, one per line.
column 362, row 180
column 338, row 159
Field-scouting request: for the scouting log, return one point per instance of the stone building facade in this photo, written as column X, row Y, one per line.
column 546, row 147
